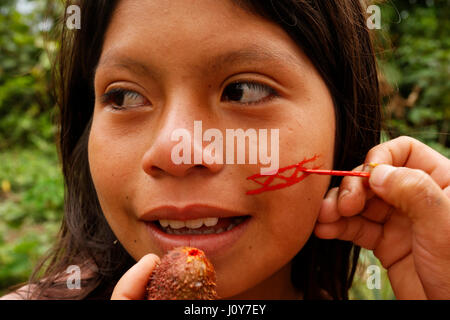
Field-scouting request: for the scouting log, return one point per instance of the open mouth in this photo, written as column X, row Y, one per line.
column 201, row 226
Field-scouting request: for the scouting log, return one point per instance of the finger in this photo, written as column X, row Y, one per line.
column 396, row 241
column 377, row 210
column 417, row 196
column 406, row 285
column 447, row 191
column 408, row 152
column 328, row 211
column 352, row 195
column 133, row 283
column 360, row 231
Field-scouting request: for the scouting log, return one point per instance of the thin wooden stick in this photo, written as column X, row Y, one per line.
column 364, row 174
column 336, row 172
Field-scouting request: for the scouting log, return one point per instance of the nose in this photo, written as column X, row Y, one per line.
column 179, row 140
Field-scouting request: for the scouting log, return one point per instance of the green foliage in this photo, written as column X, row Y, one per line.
column 36, row 187
column 31, row 203
column 25, row 103
column 31, row 193
column 20, row 250
column 416, row 59
column 360, row 290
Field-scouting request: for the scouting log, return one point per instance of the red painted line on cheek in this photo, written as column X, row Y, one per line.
column 306, row 171
column 292, row 179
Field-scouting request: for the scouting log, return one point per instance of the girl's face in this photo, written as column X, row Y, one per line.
column 166, row 64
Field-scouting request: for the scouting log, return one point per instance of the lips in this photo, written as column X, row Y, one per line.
column 206, row 227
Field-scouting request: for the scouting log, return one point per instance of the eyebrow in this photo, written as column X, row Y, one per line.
column 247, row 55
column 250, row 54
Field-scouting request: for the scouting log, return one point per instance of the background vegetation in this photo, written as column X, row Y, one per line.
column 414, row 53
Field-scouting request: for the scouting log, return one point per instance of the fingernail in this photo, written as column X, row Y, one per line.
column 343, row 193
column 380, row 174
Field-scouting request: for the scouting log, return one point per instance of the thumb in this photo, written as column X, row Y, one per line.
column 133, row 283
column 414, row 193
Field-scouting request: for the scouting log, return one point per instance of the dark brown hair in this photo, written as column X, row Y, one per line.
column 334, row 36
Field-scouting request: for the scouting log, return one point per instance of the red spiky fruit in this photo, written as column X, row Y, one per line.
column 184, row 273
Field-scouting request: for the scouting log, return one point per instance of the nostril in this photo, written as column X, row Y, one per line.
column 199, row 168
column 154, row 170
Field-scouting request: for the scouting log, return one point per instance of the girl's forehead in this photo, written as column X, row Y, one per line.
column 203, row 21
column 207, row 34
column 167, row 9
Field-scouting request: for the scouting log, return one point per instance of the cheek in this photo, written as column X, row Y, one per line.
column 292, row 211
column 100, row 164
column 295, row 213
column 113, row 163
column 309, row 135
column 110, row 163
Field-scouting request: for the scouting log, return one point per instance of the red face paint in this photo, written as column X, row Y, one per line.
column 292, row 179
column 306, row 171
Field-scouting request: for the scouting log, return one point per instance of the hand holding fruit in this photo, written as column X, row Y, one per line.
column 182, row 274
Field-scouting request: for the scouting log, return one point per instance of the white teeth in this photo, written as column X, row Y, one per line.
column 164, row 223
column 194, row 224
column 176, row 224
column 209, row 222
column 191, row 224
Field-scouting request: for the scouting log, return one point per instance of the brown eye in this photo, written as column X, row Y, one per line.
column 120, row 99
column 248, row 92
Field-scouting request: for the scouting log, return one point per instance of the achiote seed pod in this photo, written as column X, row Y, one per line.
column 184, row 273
